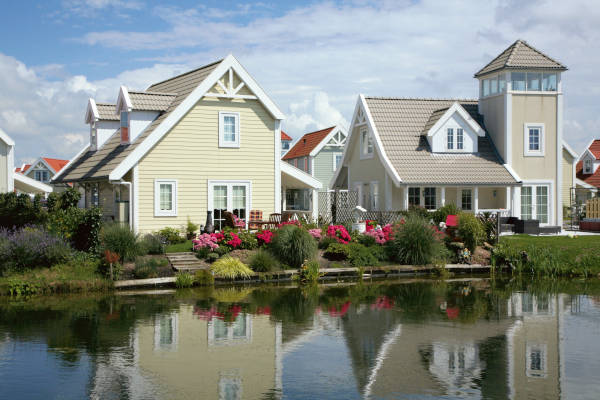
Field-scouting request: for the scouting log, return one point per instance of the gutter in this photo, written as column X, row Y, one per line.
column 129, row 186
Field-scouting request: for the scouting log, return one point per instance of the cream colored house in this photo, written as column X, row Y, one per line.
column 206, row 140
column 501, row 152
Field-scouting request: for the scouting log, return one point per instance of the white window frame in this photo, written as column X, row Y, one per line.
column 222, row 142
column 335, row 155
column 165, row 213
column 534, row 153
column 449, row 136
column 543, row 350
column 462, row 139
column 374, row 196
column 534, row 185
column 588, row 166
column 230, row 184
column 174, row 332
column 230, row 339
column 462, row 207
column 364, row 152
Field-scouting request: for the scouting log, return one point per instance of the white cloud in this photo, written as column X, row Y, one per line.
column 14, row 119
column 312, row 114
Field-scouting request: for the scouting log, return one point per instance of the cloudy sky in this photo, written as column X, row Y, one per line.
column 313, row 58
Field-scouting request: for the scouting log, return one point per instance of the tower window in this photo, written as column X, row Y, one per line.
column 534, row 140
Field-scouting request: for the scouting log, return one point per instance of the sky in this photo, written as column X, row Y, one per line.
column 312, row 58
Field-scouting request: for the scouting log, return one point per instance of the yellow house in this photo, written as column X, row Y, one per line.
column 208, row 140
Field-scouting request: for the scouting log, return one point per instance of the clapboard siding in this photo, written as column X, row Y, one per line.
column 323, row 165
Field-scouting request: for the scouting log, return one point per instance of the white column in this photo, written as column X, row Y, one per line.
column 405, row 195
column 508, row 200
column 315, row 205
column 459, row 197
column 443, row 196
column 516, row 202
column 283, row 199
column 476, row 199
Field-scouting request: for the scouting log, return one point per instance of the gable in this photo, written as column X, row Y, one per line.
column 437, row 136
column 230, row 85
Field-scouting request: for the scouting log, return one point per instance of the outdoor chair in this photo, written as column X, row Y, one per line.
column 232, row 221
column 255, row 220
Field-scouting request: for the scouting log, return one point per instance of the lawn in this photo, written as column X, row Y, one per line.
column 180, row 247
column 570, row 248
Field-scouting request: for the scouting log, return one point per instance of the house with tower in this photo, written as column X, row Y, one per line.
column 501, row 152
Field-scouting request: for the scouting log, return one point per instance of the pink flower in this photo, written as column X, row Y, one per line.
column 292, row 222
column 205, row 240
column 339, row 232
column 381, row 235
column 264, row 237
column 316, row 233
column 235, row 241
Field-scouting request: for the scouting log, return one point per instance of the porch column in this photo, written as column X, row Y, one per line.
column 476, row 199
column 443, row 196
column 508, row 200
column 516, row 202
column 405, row 197
column 315, row 205
column 283, row 198
column 459, row 197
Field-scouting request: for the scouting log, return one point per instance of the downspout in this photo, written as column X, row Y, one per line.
column 129, row 187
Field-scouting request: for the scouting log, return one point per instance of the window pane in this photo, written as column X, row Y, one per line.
column 518, row 80
column 526, row 202
column 549, row 82
column 459, row 139
column 494, row 86
column 534, row 81
column 501, row 83
column 229, row 132
column 374, row 196
column 429, row 198
column 239, row 201
column 369, row 145
column 414, row 196
column 541, row 208
column 219, row 205
column 220, row 329
column 534, row 139
column 239, row 326
column 166, row 196
column 124, row 119
column 166, row 331
column 486, row 87
column 466, row 199
column 337, row 161
column 450, row 139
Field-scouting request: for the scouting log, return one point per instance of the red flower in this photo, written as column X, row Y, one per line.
column 235, row 241
column 264, row 237
column 339, row 232
column 292, row 222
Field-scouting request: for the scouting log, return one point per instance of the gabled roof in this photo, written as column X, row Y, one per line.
column 285, row 136
column 590, row 179
column 53, row 164
column 22, row 168
column 151, row 101
column 307, row 143
column 113, row 160
column 439, row 117
column 6, row 139
column 521, row 55
column 594, row 148
column 107, row 112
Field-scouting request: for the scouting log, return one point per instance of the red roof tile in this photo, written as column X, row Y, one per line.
column 591, row 179
column 55, row 163
column 595, row 148
column 285, row 136
column 25, row 168
column 307, row 143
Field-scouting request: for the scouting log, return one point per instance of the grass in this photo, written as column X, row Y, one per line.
column 570, row 248
column 180, row 247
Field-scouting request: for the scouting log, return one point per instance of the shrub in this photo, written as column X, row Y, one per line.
column 212, row 257
column 20, row 210
column 205, row 241
column 79, row 226
column 379, row 235
column 190, row 228
column 121, row 240
column 442, row 213
column 415, row 242
column 337, row 252
column 221, row 250
column 171, row 235
column 231, row 268
column 418, row 211
column 367, row 240
column 204, row 277
column 184, row 280
column 326, row 241
column 379, row 252
column 31, row 247
column 263, row 261
column 488, row 221
column 470, row 230
column 147, row 267
column 316, row 233
column 293, row 246
column 264, row 237
column 309, row 272
column 249, row 240
column 361, row 256
column 339, row 232
column 153, row 244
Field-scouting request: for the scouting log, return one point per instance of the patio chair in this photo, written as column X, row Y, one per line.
column 255, row 220
column 274, row 220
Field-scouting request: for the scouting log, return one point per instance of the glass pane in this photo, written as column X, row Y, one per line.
column 166, row 331
column 486, row 87
column 501, row 83
column 239, row 326
column 414, row 196
column 239, row 201
column 466, row 199
column 459, row 139
column 166, row 196
column 220, row 328
column 494, row 86
column 534, row 139
column 229, row 128
column 534, row 81
column 518, row 80
column 450, row 138
column 219, row 205
column 526, row 202
column 541, row 208
column 124, row 119
column 549, row 82
column 429, row 198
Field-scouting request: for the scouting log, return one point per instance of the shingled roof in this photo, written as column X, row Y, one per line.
column 307, row 143
column 107, row 112
column 401, row 124
column 151, row 101
column 97, row 165
column 521, row 55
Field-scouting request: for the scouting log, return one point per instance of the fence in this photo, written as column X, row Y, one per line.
column 592, row 208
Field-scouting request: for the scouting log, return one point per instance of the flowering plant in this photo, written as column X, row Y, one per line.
column 381, row 235
column 316, row 233
column 205, row 241
column 291, row 222
column 234, row 240
column 339, row 232
column 264, row 237
column 238, row 222
column 371, row 224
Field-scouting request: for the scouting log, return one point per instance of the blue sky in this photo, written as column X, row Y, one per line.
column 313, row 58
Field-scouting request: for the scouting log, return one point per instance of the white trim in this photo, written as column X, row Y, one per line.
column 165, row 213
column 375, row 207
column 39, row 160
column 543, row 349
column 71, row 161
column 10, row 167
column 534, row 153
column 7, row 139
column 231, row 96
column 584, row 184
column 302, row 176
column 91, row 112
column 230, row 182
column 570, row 150
column 388, row 193
column 187, row 104
column 136, row 199
column 364, row 132
column 456, row 108
column 25, row 180
column 512, row 172
column 508, row 128
column 277, row 194
column 335, row 154
column 222, row 142
column 174, row 317
column 551, row 199
column 329, row 137
column 123, row 101
column 559, row 166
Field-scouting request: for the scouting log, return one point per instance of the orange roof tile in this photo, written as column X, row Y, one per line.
column 55, row 163
column 591, row 179
column 285, row 136
column 595, row 148
column 307, row 143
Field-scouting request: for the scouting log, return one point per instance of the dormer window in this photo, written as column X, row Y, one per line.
column 124, row 127
column 455, row 139
column 587, row 166
column 450, row 139
column 366, row 144
column 459, row 139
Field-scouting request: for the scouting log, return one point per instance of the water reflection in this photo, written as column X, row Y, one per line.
column 469, row 339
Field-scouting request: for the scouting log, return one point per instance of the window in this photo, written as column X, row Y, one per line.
column 526, row 203
column 285, row 145
column 306, row 165
column 301, row 164
column 534, row 140
column 230, row 333
column 229, row 129
column 414, row 196
column 549, row 83
column 374, row 197
column 535, row 203
column 541, row 203
column 337, row 159
column 94, row 137
column 459, row 139
column 165, row 198
column 587, row 166
column 166, row 332
column 534, row 81
column 297, row 199
column 450, row 140
column 429, row 198
column 501, row 83
column 366, row 144
column 230, row 386
column 536, row 360
column 486, row 87
column 95, row 196
column 494, row 85
column 466, row 200
column 124, row 127
column 518, row 80
column 232, row 196
column 42, row 176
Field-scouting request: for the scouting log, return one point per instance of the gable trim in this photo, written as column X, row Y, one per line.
column 326, row 140
column 6, row 139
column 570, row 150
column 91, row 114
column 123, row 101
column 35, row 163
column 187, row 104
column 460, row 110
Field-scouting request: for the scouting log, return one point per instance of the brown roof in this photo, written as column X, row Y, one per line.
column 285, row 136
column 521, row 55
column 401, row 123
column 307, row 143
column 97, row 165
column 107, row 112
column 151, row 101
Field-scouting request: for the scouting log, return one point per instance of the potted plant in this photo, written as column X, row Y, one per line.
column 191, row 229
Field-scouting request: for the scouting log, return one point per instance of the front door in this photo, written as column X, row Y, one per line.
column 228, row 196
column 535, row 201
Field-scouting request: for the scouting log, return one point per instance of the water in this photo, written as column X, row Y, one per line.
column 470, row 339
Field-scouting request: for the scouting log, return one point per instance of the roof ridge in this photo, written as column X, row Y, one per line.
column 319, row 130
column 152, row 93
column 524, row 42
column 514, row 46
column 105, row 104
column 419, row 98
column 187, row 73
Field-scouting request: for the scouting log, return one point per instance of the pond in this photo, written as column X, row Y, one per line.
column 462, row 339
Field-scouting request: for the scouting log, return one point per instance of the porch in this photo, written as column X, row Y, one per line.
column 299, row 192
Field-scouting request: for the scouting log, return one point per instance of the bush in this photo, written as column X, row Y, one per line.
column 231, row 268
column 212, row 257
column 337, row 252
column 147, row 267
column 367, row 240
column 20, row 210
column 442, row 213
column 171, row 235
column 153, row 244
column 79, row 226
column 184, row 280
column 326, row 241
column 293, row 246
column 470, row 230
column 190, row 228
column 361, row 256
column 31, row 247
column 121, row 240
column 415, row 242
column 418, row 211
column 309, row 272
column 222, row 250
column 249, row 240
column 263, row 261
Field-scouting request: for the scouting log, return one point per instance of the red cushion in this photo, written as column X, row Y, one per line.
column 452, row 220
